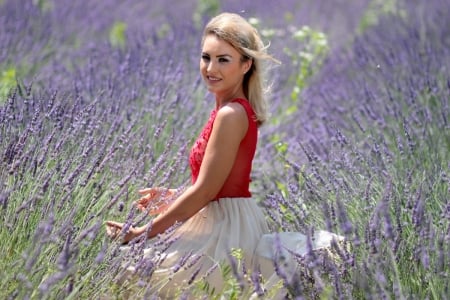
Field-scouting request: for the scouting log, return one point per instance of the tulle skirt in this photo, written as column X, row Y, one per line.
column 200, row 248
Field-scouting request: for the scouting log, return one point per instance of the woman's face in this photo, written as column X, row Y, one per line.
column 221, row 67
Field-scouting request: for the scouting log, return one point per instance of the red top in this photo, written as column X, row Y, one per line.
column 238, row 181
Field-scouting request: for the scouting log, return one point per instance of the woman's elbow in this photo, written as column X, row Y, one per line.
column 197, row 198
column 205, row 193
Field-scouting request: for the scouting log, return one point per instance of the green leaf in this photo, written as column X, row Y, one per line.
column 281, row 147
column 7, row 82
column 283, row 189
column 117, row 36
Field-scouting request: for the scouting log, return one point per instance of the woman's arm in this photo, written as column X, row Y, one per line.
column 230, row 127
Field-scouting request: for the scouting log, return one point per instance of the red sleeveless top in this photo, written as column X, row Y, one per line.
column 238, row 181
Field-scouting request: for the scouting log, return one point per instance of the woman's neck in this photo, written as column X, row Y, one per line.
column 222, row 100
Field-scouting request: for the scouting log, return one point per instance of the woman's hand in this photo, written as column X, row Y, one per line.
column 114, row 230
column 155, row 200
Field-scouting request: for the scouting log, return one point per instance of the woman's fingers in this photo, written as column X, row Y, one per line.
column 141, row 206
column 154, row 200
column 146, row 191
column 143, row 202
column 152, row 194
column 114, row 224
column 113, row 229
column 152, row 190
column 155, row 191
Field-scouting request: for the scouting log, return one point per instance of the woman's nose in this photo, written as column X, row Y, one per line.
column 210, row 67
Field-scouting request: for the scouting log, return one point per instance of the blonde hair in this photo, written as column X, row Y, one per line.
column 240, row 34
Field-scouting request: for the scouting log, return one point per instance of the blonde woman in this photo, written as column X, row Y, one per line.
column 216, row 213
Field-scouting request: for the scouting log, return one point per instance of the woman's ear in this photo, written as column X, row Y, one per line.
column 248, row 64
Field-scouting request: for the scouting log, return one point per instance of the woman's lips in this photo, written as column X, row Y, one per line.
column 212, row 79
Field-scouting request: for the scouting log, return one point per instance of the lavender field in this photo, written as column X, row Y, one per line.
column 101, row 98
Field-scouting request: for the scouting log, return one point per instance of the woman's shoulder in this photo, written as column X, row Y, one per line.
column 245, row 108
column 232, row 112
column 241, row 104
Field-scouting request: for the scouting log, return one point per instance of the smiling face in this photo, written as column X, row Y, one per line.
column 222, row 68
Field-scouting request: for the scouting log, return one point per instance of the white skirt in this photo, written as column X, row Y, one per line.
column 200, row 248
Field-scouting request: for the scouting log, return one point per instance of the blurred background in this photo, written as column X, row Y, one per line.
column 101, row 98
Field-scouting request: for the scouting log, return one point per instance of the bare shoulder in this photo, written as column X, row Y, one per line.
column 232, row 112
column 231, row 119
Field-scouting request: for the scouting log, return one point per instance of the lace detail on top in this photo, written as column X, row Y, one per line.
column 199, row 147
column 238, row 181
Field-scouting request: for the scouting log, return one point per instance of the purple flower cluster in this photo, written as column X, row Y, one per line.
column 88, row 122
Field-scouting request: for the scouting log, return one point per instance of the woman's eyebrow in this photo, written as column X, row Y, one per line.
column 224, row 55
column 219, row 56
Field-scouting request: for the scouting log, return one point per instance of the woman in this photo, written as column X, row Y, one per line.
column 216, row 212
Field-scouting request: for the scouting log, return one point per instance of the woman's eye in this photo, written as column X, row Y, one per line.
column 223, row 60
column 205, row 57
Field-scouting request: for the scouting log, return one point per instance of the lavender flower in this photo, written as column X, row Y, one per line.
column 83, row 124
